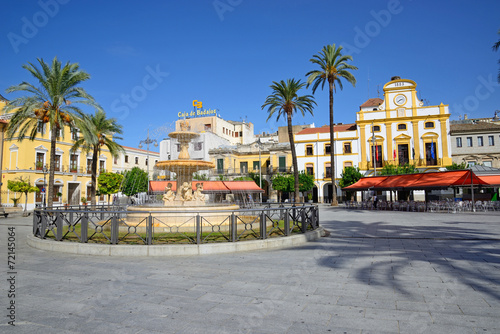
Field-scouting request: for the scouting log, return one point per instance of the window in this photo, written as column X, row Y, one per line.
column 136, row 160
column 282, row 164
column 41, row 128
column 401, row 126
column 198, row 146
column 40, row 158
column 310, row 169
column 89, row 166
column 73, row 163
column 377, row 150
column 220, row 166
column 208, row 127
column 431, row 154
column 328, row 171
column 178, row 146
column 74, row 134
column 347, row 164
column 347, row 148
column 469, row 141
column 328, row 149
column 491, row 141
column 241, row 133
column 115, row 160
column 429, row 125
column 459, row 141
column 57, row 163
column 146, row 161
column 236, row 134
column 126, row 159
column 480, row 141
column 376, row 128
column 102, row 166
column 309, row 150
column 487, row 163
column 243, row 167
column 471, row 163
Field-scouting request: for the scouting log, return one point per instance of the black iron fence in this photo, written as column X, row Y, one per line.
column 118, row 225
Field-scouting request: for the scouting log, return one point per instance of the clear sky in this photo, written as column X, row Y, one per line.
column 150, row 59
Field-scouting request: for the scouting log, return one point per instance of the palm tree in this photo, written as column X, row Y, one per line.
column 333, row 67
column 285, row 101
column 98, row 132
column 50, row 101
column 496, row 46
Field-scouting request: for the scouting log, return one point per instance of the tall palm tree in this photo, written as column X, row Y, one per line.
column 285, row 101
column 98, row 132
column 333, row 67
column 50, row 101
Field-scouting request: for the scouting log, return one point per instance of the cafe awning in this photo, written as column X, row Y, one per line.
column 492, row 180
column 419, row 181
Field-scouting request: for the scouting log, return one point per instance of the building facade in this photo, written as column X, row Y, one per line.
column 136, row 157
column 400, row 130
column 30, row 160
column 475, row 142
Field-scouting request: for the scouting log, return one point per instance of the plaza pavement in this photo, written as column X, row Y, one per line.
column 378, row 272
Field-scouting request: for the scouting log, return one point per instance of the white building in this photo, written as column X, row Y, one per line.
column 136, row 157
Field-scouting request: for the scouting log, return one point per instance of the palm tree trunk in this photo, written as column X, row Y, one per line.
column 294, row 157
column 93, row 186
column 52, row 159
column 332, row 148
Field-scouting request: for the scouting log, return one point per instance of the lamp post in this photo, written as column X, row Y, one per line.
column 374, row 154
column 260, row 168
column 44, row 170
column 148, row 141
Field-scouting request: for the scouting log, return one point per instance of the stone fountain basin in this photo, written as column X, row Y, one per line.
column 180, row 218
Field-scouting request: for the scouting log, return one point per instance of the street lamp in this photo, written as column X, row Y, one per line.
column 260, row 167
column 44, row 170
column 148, row 141
column 374, row 150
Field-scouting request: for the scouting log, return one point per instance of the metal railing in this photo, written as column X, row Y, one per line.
column 112, row 224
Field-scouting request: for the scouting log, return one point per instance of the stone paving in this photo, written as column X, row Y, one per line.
column 378, row 272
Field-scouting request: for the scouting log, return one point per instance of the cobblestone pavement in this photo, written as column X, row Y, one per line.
column 378, row 272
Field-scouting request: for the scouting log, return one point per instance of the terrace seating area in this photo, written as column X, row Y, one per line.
column 446, row 206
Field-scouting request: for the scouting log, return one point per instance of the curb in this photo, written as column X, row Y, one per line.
column 173, row 250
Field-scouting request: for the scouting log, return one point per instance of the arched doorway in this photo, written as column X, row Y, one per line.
column 327, row 193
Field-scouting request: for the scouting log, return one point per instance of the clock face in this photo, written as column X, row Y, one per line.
column 400, row 99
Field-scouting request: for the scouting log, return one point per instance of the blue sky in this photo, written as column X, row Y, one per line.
column 150, row 59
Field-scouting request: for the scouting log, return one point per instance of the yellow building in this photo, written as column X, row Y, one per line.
column 29, row 159
column 400, row 129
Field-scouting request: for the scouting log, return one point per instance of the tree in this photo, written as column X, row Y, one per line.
column 398, row 169
column 285, row 101
column 455, row 166
column 98, row 132
column 333, row 67
column 22, row 186
column 110, row 183
column 282, row 183
column 50, row 101
column 306, row 182
column 136, row 181
column 349, row 176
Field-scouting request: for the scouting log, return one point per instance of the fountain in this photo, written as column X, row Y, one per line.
column 180, row 206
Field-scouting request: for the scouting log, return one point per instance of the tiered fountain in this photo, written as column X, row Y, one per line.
column 179, row 206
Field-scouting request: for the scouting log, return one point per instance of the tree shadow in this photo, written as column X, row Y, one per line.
column 386, row 251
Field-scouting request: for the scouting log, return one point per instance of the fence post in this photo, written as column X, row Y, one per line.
column 149, row 229
column 198, row 229
column 263, row 231
column 59, row 226
column 84, row 233
column 114, row 230
column 36, row 216
column 233, row 227
column 303, row 220
column 44, row 225
column 287, row 222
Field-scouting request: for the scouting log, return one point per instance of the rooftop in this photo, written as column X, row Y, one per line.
column 326, row 129
column 375, row 102
column 474, row 127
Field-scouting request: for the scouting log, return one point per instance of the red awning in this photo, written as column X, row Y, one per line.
column 243, row 187
column 493, row 180
column 366, row 183
column 211, row 186
column 422, row 181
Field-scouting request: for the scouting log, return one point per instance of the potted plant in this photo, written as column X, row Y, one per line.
column 310, row 197
column 39, row 165
column 59, row 195
column 84, row 200
column 65, row 203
